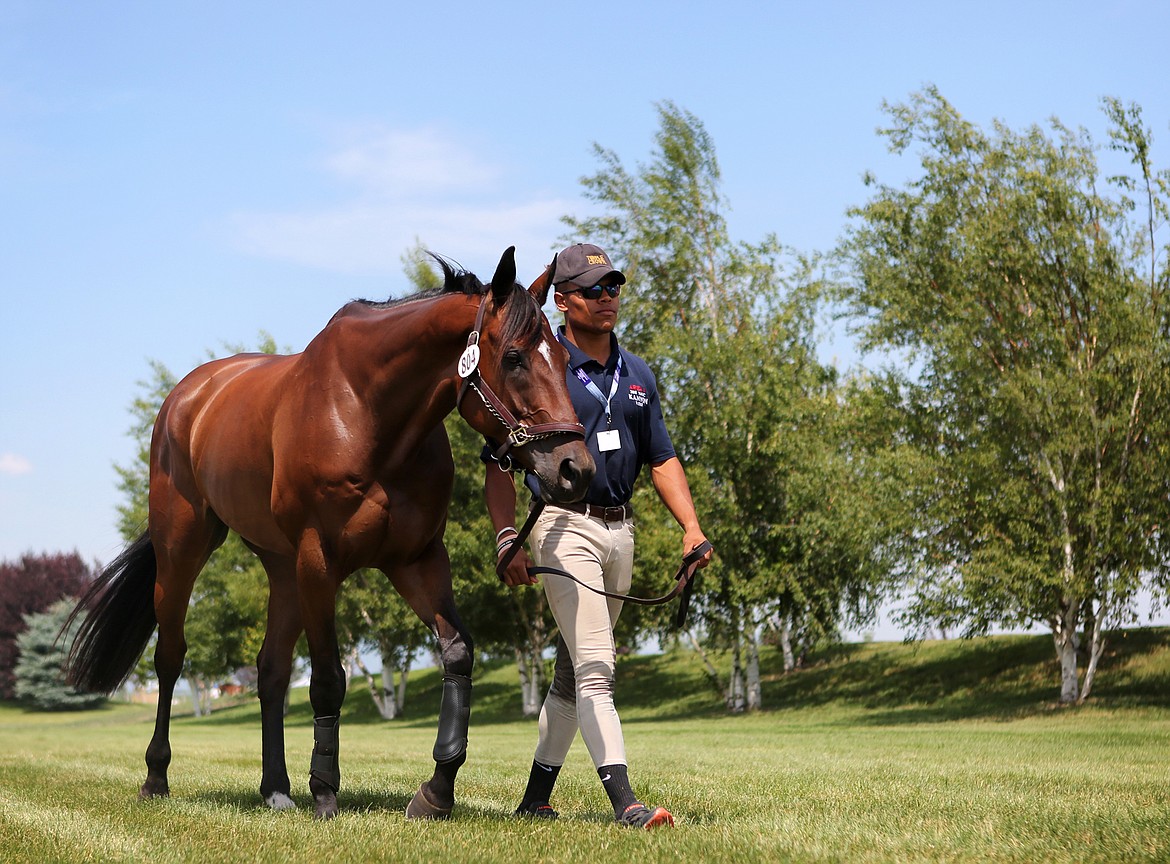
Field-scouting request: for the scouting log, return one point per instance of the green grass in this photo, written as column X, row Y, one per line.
column 939, row 752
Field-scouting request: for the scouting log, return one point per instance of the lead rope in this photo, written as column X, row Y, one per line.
column 684, row 576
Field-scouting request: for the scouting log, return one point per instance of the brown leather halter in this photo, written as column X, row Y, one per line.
column 518, row 434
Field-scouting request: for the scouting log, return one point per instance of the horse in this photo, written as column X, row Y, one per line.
column 325, row 462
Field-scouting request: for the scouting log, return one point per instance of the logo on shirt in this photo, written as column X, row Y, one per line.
column 638, row 395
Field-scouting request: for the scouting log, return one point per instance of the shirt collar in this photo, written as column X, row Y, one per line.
column 578, row 358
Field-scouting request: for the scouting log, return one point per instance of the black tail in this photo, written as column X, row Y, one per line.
column 119, row 619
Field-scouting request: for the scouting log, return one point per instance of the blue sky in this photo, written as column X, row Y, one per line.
column 177, row 177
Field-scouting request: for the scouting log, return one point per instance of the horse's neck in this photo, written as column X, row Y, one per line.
column 401, row 360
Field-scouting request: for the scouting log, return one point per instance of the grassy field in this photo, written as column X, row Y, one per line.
column 939, row 752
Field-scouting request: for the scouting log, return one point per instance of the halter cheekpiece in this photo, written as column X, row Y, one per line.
column 518, row 434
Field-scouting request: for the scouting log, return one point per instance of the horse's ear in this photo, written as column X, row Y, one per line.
column 505, row 279
column 539, row 287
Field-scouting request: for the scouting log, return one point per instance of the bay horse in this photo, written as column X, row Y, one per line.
column 324, row 462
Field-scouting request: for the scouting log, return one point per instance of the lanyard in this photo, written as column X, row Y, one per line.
column 595, row 391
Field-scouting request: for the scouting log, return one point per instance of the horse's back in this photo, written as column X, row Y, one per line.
column 213, row 440
column 222, row 393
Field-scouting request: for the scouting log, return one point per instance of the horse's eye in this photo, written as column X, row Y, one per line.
column 513, row 360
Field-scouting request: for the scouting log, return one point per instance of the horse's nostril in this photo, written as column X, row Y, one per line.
column 576, row 474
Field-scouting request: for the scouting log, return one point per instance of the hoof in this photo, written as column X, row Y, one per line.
column 420, row 808
column 154, row 789
column 280, row 801
column 325, row 807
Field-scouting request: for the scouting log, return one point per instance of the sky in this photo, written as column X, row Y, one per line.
column 177, row 178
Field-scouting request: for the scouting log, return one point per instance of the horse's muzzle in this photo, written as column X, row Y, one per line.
column 565, row 471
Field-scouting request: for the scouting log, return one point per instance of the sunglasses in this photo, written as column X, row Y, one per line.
column 594, row 293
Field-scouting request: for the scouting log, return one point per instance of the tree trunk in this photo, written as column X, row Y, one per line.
column 1064, row 635
column 378, row 695
column 1096, row 649
column 404, row 672
column 390, row 706
column 754, row 690
column 735, row 689
column 784, row 629
column 200, row 696
column 712, row 672
column 530, row 667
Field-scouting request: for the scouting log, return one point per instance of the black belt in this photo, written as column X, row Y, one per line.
column 605, row 514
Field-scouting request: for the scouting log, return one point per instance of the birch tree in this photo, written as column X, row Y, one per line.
column 372, row 616
column 1029, row 303
column 729, row 329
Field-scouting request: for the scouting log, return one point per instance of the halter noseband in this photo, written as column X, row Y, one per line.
column 518, row 434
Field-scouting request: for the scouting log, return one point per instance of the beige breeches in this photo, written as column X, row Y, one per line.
column 600, row 554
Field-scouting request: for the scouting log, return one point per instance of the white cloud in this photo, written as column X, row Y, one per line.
column 365, row 238
column 11, row 463
column 408, row 185
column 404, row 164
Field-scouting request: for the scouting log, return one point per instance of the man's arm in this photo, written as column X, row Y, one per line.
column 499, row 493
column 670, row 481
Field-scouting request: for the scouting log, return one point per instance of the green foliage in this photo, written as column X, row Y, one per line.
column 40, row 676
column 420, row 269
column 226, row 618
column 134, row 482
column 756, row 419
column 504, row 622
column 1039, row 338
column 33, row 584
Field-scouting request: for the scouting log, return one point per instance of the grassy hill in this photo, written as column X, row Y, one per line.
column 996, row 677
column 944, row 751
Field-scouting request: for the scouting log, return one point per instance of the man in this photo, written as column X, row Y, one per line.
column 616, row 398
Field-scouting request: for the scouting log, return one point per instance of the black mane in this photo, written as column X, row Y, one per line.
column 456, row 280
column 522, row 315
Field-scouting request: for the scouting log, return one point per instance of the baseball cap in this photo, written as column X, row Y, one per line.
column 585, row 265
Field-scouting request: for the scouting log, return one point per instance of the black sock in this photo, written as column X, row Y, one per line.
column 540, row 783
column 616, row 781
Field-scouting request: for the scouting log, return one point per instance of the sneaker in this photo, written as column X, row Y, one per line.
column 536, row 811
column 638, row 815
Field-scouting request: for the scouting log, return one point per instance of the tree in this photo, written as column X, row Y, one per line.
column 504, row 621
column 729, row 329
column 371, row 615
column 40, row 671
column 28, row 586
column 1031, row 306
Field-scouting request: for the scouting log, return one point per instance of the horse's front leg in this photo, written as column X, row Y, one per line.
column 429, row 593
column 317, row 587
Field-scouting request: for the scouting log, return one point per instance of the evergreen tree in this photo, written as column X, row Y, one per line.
column 40, row 676
column 30, row 585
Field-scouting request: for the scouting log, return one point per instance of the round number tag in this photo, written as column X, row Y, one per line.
column 468, row 360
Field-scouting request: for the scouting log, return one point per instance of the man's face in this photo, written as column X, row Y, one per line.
column 597, row 315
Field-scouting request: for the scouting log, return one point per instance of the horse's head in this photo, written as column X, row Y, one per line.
column 518, row 371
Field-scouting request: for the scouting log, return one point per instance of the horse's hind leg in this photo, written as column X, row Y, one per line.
column 274, row 665
column 317, row 585
column 184, row 544
column 426, row 586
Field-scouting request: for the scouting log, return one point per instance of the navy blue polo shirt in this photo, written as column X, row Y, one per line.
column 636, row 415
